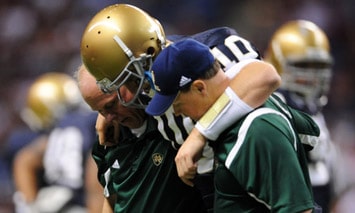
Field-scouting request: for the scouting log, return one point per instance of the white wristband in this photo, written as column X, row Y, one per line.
column 224, row 112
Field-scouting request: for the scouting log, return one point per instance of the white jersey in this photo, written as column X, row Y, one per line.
column 321, row 155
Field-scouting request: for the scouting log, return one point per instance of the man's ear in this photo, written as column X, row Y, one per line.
column 199, row 86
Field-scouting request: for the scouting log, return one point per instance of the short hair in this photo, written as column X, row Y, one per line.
column 210, row 73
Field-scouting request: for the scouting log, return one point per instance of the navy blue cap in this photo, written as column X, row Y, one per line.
column 175, row 67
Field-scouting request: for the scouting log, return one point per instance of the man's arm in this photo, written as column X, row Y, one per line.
column 247, row 90
column 253, row 84
column 109, row 204
column 28, row 162
column 93, row 189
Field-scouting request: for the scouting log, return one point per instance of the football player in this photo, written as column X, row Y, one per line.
column 300, row 52
column 53, row 162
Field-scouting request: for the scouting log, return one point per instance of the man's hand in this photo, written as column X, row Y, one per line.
column 188, row 155
column 108, row 132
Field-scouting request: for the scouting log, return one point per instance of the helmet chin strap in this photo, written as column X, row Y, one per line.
column 148, row 76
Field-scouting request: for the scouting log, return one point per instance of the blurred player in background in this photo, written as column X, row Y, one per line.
column 49, row 170
column 300, row 52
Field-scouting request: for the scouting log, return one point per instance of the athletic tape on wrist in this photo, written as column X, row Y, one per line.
column 224, row 112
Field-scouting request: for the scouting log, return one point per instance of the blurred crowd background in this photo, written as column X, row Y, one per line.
column 39, row 36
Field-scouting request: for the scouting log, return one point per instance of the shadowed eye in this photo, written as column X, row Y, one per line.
column 109, row 106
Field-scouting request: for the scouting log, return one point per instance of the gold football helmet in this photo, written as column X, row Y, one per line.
column 300, row 52
column 118, row 46
column 49, row 97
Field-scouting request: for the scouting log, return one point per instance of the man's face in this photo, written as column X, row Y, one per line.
column 113, row 111
column 190, row 103
column 131, row 94
column 127, row 91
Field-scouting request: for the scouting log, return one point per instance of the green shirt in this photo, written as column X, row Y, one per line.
column 261, row 162
column 142, row 174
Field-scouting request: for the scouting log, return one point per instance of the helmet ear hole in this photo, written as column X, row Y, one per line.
column 151, row 51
